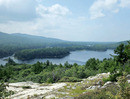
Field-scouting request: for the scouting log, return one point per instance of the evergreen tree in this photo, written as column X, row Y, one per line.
column 11, row 61
column 122, row 54
column 37, row 68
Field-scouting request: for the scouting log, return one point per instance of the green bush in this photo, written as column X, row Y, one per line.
column 124, row 91
column 69, row 79
column 50, row 80
column 3, row 90
column 112, row 77
column 26, row 87
column 110, row 92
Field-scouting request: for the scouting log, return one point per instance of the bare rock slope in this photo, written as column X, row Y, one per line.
column 66, row 90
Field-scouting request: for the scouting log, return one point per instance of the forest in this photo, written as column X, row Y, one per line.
column 51, row 73
column 29, row 54
column 23, row 72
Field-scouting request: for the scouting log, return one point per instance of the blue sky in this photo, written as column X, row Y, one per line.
column 73, row 20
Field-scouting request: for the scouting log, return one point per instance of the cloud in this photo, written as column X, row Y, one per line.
column 101, row 8
column 125, row 3
column 115, row 11
column 54, row 10
column 26, row 10
column 59, row 27
column 17, row 10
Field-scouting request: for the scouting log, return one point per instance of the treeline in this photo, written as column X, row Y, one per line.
column 29, row 54
column 95, row 47
column 10, row 49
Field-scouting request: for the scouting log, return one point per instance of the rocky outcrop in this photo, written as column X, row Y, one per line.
column 59, row 90
column 99, row 76
column 34, row 90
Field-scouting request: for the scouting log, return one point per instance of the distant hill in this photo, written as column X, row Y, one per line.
column 124, row 42
column 25, row 39
column 18, row 38
column 37, row 38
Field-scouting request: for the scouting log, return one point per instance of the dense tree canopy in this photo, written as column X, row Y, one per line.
column 41, row 53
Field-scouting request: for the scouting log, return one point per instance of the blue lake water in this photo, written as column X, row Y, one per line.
column 79, row 57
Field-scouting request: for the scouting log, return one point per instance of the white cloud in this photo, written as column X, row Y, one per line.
column 54, row 10
column 125, row 3
column 59, row 27
column 17, row 10
column 18, row 5
column 26, row 10
column 101, row 8
column 115, row 11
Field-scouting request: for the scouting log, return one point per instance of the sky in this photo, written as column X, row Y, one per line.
column 72, row 20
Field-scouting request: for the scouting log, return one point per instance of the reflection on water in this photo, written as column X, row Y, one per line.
column 79, row 57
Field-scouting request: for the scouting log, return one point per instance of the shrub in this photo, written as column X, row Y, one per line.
column 26, row 87
column 112, row 77
column 124, row 91
column 50, row 80
column 69, row 79
column 3, row 90
column 106, row 93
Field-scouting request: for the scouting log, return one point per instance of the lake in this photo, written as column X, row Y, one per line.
column 79, row 57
